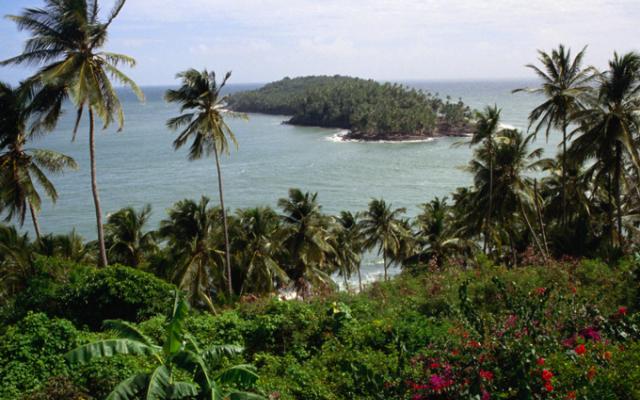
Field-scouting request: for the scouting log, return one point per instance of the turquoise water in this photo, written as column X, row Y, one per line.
column 139, row 165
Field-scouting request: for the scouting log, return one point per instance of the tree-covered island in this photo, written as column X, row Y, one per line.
column 368, row 109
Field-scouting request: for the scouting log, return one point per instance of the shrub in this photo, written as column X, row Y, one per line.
column 88, row 295
column 32, row 351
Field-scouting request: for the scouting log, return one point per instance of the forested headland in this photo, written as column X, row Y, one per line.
column 368, row 109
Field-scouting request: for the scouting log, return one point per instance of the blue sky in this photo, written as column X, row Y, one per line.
column 264, row 40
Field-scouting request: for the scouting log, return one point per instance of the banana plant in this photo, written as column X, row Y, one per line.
column 179, row 351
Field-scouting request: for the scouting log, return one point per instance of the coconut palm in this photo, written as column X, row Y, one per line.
column 23, row 169
column 487, row 128
column 178, row 356
column 126, row 239
column 513, row 160
column 69, row 247
column 608, row 130
column 382, row 228
column 190, row 233
column 257, row 244
column 306, row 239
column 435, row 232
column 564, row 86
column 16, row 262
column 349, row 246
column 202, row 121
column 67, row 41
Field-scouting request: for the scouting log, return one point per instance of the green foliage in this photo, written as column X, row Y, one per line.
column 364, row 106
column 32, row 351
column 88, row 295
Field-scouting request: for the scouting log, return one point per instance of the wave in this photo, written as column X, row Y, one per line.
column 339, row 137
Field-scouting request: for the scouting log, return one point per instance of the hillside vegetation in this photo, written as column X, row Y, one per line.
column 371, row 110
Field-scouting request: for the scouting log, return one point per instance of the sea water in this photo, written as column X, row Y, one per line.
column 139, row 165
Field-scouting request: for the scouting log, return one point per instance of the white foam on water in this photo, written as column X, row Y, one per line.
column 338, row 137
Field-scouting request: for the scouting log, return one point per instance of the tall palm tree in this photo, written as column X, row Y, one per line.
column 21, row 168
column 202, row 121
column 564, row 86
column 256, row 245
column 349, row 245
column 382, row 227
column 126, row 239
column 609, row 128
column 67, row 41
column 513, row 159
column 487, row 128
column 306, row 240
column 177, row 357
column 190, row 232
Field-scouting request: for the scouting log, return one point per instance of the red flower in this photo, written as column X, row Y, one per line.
column 622, row 310
column 485, row 395
column 486, row 375
column 591, row 373
column 548, row 386
column 474, row 344
column 540, row 361
column 571, row 395
column 540, row 291
column 580, row 349
column 547, row 375
column 434, row 365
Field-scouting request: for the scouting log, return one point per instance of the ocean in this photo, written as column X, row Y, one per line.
column 139, row 166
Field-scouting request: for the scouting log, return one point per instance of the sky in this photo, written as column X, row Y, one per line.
column 265, row 40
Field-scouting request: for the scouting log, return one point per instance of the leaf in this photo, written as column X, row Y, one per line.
column 129, row 388
column 108, row 348
column 243, row 375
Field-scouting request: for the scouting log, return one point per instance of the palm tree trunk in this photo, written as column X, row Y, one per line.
column 384, row 260
column 539, row 214
column 617, row 189
column 34, row 218
column 102, row 260
column 564, row 173
column 533, row 233
column 490, row 211
column 359, row 278
column 227, row 250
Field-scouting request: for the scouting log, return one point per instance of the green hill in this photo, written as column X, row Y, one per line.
column 369, row 109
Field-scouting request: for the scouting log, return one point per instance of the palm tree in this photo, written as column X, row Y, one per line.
column 16, row 262
column 190, row 235
column 564, row 85
column 126, row 239
column 382, row 228
column 608, row 129
column 513, row 160
column 306, row 238
column 67, row 38
column 487, row 128
column 202, row 105
column 21, row 167
column 178, row 356
column 435, row 232
column 69, row 247
column 257, row 244
column 349, row 245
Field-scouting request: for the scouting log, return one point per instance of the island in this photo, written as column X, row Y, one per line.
column 368, row 110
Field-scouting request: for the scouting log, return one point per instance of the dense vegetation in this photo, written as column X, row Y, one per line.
column 563, row 330
column 369, row 109
column 524, row 285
